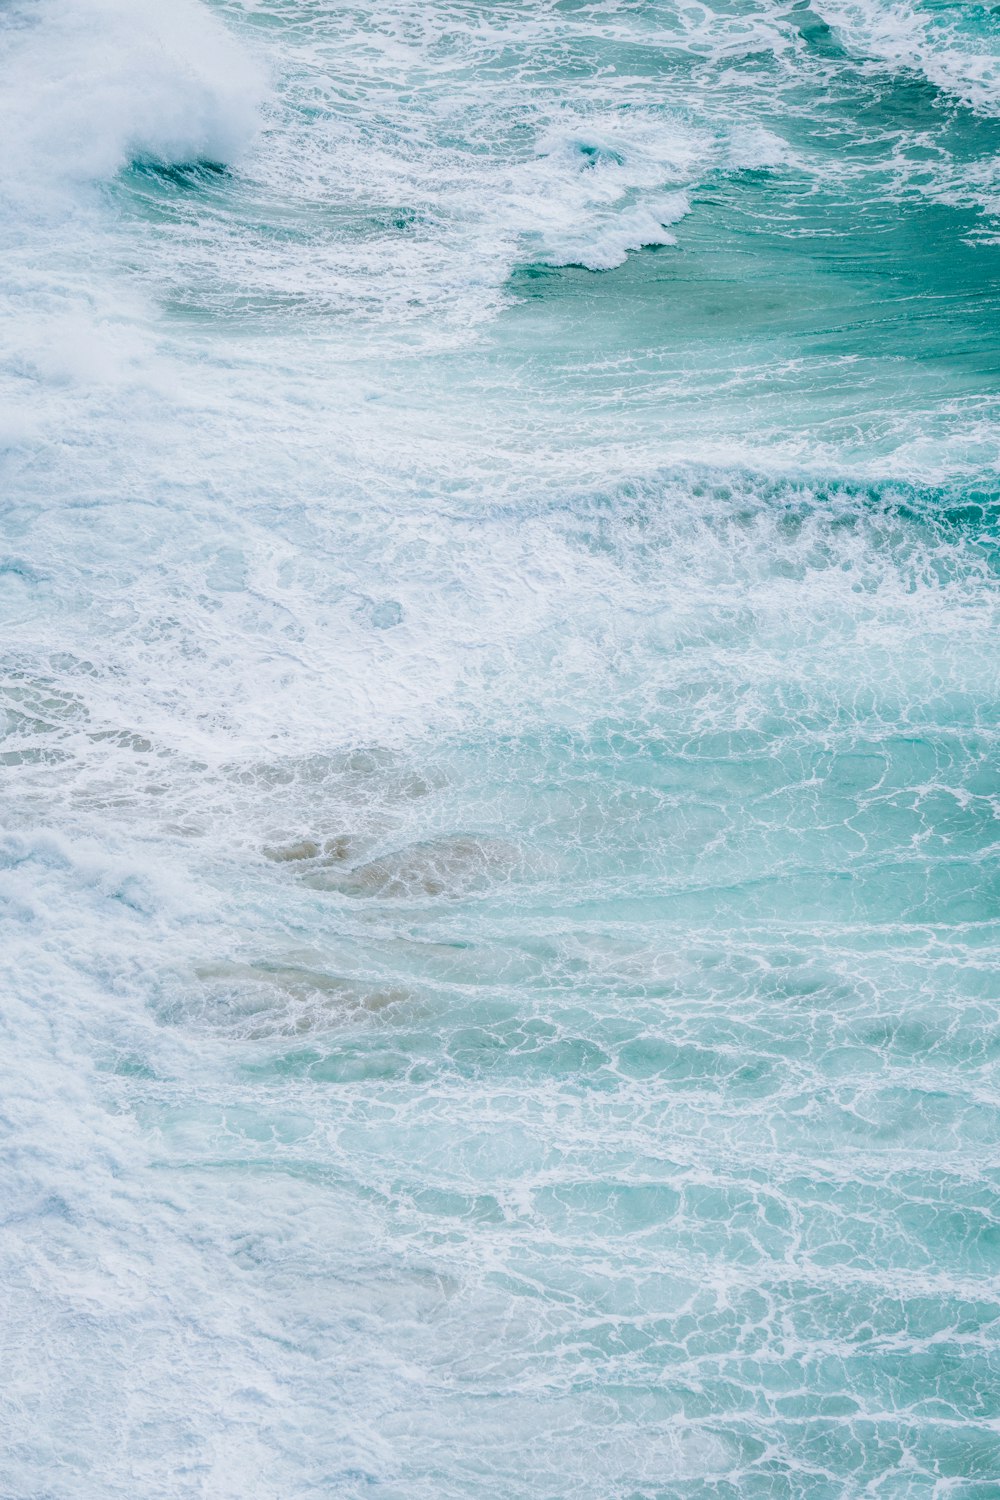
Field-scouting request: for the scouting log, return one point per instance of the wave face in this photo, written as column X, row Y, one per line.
column 498, row 881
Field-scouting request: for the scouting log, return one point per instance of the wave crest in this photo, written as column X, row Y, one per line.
column 90, row 85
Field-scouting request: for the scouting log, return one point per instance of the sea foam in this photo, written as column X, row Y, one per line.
column 953, row 47
column 499, row 738
column 93, row 84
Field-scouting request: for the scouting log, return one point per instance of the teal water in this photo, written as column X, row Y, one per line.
column 499, row 874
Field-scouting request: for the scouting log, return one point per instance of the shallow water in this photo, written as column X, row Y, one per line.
column 499, row 723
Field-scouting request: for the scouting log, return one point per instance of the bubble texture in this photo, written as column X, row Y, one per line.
column 499, row 723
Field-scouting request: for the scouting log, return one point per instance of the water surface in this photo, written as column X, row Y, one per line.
column 500, row 712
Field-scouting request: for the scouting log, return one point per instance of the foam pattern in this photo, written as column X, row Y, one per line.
column 499, row 722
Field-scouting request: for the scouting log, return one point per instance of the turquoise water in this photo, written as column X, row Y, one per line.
column 499, row 884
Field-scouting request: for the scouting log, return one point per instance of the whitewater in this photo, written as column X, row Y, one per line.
column 499, row 712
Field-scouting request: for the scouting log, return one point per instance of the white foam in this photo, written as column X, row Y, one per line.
column 931, row 44
column 755, row 148
column 89, row 85
column 229, row 555
column 602, row 186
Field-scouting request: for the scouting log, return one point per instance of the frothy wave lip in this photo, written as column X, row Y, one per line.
column 602, row 186
column 950, row 55
column 91, row 85
column 640, row 227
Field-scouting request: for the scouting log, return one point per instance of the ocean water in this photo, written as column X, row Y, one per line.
column 498, row 881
